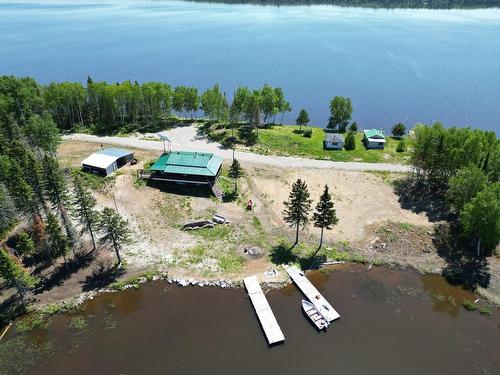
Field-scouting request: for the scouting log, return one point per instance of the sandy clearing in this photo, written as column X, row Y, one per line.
column 361, row 199
column 186, row 138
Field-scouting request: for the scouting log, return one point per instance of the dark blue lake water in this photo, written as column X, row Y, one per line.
column 396, row 65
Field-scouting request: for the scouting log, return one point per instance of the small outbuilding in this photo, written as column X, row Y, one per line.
column 106, row 161
column 374, row 138
column 333, row 141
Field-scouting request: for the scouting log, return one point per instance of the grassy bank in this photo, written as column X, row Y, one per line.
column 285, row 141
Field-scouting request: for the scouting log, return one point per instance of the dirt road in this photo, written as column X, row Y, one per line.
column 186, row 138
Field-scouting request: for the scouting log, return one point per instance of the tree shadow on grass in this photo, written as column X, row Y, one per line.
column 63, row 272
column 463, row 267
column 230, row 197
column 282, row 254
column 102, row 276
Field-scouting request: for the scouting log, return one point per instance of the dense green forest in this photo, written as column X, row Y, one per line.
column 54, row 207
column 424, row 4
column 105, row 108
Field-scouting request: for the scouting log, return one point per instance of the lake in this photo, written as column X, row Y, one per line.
column 392, row 322
column 396, row 65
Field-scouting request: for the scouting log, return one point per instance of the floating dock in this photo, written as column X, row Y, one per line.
column 312, row 294
column 264, row 313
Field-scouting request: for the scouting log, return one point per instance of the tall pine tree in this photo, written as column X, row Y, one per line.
column 297, row 207
column 84, row 207
column 56, row 189
column 58, row 242
column 13, row 271
column 235, row 172
column 325, row 216
column 115, row 231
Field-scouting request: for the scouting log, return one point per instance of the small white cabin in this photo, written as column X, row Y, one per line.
column 374, row 138
column 333, row 142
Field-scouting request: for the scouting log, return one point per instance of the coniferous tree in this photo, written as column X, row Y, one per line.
column 303, row 119
column 350, row 141
column 235, row 172
column 325, row 216
column 13, row 271
column 8, row 214
column 398, row 130
column 84, row 207
column 25, row 244
column 115, row 230
column 401, row 146
column 58, row 242
column 297, row 207
column 20, row 191
column 57, row 192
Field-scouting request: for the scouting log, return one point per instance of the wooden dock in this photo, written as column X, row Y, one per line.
column 312, row 294
column 264, row 313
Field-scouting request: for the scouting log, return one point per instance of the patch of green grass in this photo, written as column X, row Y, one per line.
column 139, row 182
column 97, row 182
column 150, row 275
column 469, row 305
column 230, row 262
column 78, row 322
column 31, row 322
column 283, row 140
column 406, row 226
column 122, row 284
column 256, row 223
column 219, row 232
column 386, row 233
column 60, row 308
column 196, row 254
column 485, row 311
column 333, row 254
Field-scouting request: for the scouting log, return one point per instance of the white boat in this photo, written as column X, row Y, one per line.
column 312, row 312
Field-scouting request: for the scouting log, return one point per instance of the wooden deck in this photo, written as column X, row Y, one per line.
column 266, row 317
column 312, row 294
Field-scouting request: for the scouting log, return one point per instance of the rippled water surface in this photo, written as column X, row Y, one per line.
column 397, row 65
column 392, row 322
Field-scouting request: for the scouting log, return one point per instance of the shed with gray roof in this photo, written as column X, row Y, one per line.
column 333, row 141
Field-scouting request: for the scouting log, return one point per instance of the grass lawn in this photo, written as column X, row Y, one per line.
column 281, row 140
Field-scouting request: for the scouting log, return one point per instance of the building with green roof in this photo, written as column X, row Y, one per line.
column 187, row 167
column 373, row 138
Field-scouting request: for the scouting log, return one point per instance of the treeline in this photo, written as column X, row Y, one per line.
column 56, row 207
column 102, row 107
column 463, row 166
column 388, row 4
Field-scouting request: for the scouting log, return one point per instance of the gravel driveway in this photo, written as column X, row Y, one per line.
column 186, row 138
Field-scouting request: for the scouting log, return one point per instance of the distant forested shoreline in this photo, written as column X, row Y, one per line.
column 389, row 4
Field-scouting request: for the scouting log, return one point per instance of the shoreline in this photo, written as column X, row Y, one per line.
column 74, row 304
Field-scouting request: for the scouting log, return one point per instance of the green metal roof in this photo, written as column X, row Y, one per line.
column 188, row 163
column 374, row 133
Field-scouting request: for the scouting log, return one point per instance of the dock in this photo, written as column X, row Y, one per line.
column 312, row 294
column 266, row 317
